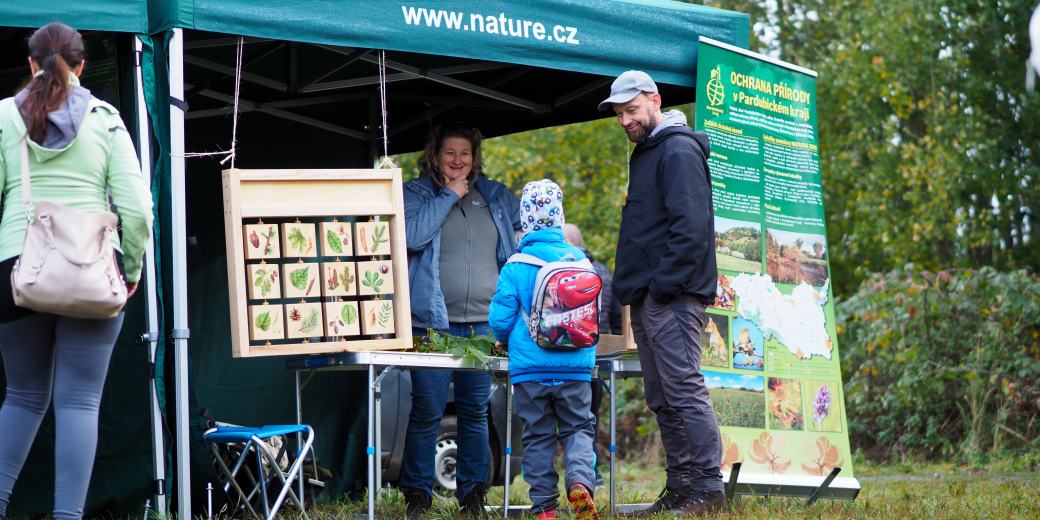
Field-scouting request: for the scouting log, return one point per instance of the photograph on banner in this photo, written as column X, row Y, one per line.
column 714, row 349
column 738, row 245
column 739, row 399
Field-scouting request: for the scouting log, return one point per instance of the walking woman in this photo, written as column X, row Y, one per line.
column 79, row 151
column 460, row 230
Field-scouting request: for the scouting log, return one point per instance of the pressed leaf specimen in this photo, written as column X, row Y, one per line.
column 385, row 313
column 378, row 237
column 376, row 277
column 261, row 241
column 311, row 321
column 349, row 314
column 263, row 321
column 373, row 281
column 335, row 244
column 299, row 277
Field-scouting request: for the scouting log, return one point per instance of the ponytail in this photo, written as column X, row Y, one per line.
column 56, row 49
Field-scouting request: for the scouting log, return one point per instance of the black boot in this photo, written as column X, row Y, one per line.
column 472, row 504
column 416, row 501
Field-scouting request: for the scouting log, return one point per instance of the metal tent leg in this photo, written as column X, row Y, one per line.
column 151, row 336
column 178, row 239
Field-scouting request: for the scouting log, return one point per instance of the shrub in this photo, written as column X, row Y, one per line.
column 942, row 364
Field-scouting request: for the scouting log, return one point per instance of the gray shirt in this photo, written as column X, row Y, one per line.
column 468, row 265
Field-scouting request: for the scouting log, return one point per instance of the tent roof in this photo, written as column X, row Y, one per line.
column 316, row 65
column 590, row 36
column 93, row 15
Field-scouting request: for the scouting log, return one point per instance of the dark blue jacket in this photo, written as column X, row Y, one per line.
column 426, row 206
column 666, row 245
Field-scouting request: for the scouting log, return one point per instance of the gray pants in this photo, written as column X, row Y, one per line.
column 552, row 414
column 669, row 337
column 45, row 354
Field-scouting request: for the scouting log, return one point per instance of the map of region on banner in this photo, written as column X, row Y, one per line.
column 769, row 351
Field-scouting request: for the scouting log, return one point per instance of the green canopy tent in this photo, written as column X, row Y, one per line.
column 131, row 458
column 309, row 98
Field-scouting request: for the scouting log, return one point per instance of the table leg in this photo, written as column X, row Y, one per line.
column 613, row 441
column 509, row 444
column 379, row 431
column 299, row 435
column 371, row 443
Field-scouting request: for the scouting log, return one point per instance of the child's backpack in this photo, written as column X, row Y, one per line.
column 565, row 306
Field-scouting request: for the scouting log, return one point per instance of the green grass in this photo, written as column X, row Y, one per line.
column 889, row 492
column 732, row 263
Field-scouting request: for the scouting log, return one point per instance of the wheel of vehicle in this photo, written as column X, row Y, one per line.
column 446, row 457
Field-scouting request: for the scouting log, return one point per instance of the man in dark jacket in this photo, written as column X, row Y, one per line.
column 665, row 269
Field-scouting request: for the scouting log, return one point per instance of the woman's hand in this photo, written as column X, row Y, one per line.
column 459, row 185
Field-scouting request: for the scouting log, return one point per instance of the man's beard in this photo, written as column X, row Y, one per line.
column 643, row 130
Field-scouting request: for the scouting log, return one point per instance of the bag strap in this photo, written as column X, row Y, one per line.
column 26, row 180
column 524, row 258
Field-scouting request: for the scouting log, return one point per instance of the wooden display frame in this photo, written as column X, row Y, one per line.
column 282, row 194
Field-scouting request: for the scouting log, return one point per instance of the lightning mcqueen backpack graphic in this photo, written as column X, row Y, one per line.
column 565, row 306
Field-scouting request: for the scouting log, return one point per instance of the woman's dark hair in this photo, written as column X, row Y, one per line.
column 56, row 49
column 428, row 160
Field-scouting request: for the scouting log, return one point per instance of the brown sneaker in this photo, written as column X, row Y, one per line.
column 581, row 499
column 701, row 503
column 667, row 500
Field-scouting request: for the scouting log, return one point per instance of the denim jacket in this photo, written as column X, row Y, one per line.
column 426, row 206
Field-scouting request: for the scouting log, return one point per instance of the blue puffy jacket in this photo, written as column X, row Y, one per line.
column 528, row 361
column 426, row 206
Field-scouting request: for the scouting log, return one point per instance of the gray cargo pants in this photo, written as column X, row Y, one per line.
column 560, row 413
column 668, row 336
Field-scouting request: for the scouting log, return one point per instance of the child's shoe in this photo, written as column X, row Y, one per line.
column 584, row 505
column 546, row 515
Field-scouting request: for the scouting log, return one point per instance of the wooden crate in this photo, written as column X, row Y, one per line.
column 611, row 343
column 360, row 195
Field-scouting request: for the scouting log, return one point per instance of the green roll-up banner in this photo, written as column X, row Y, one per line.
column 770, row 352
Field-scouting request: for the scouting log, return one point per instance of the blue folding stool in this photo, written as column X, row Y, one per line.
column 268, row 470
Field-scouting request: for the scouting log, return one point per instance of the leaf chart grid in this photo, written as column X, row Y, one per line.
column 316, row 261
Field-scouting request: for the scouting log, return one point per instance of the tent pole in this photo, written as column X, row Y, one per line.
column 151, row 336
column 178, row 239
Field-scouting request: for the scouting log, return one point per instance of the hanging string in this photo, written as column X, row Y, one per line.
column 386, row 161
column 229, row 155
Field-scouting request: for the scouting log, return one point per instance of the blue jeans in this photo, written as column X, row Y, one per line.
column 429, row 396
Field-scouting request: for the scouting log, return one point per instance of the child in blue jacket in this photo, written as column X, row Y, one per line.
column 553, row 393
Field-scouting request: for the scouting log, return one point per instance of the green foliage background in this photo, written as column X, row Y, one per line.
column 930, row 153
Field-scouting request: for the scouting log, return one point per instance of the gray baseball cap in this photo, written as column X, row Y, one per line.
column 627, row 86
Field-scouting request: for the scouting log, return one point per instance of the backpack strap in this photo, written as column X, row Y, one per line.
column 524, row 258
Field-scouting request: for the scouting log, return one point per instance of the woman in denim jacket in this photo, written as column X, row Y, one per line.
column 460, row 229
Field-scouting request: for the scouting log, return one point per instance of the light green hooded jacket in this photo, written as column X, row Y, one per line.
column 78, row 174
